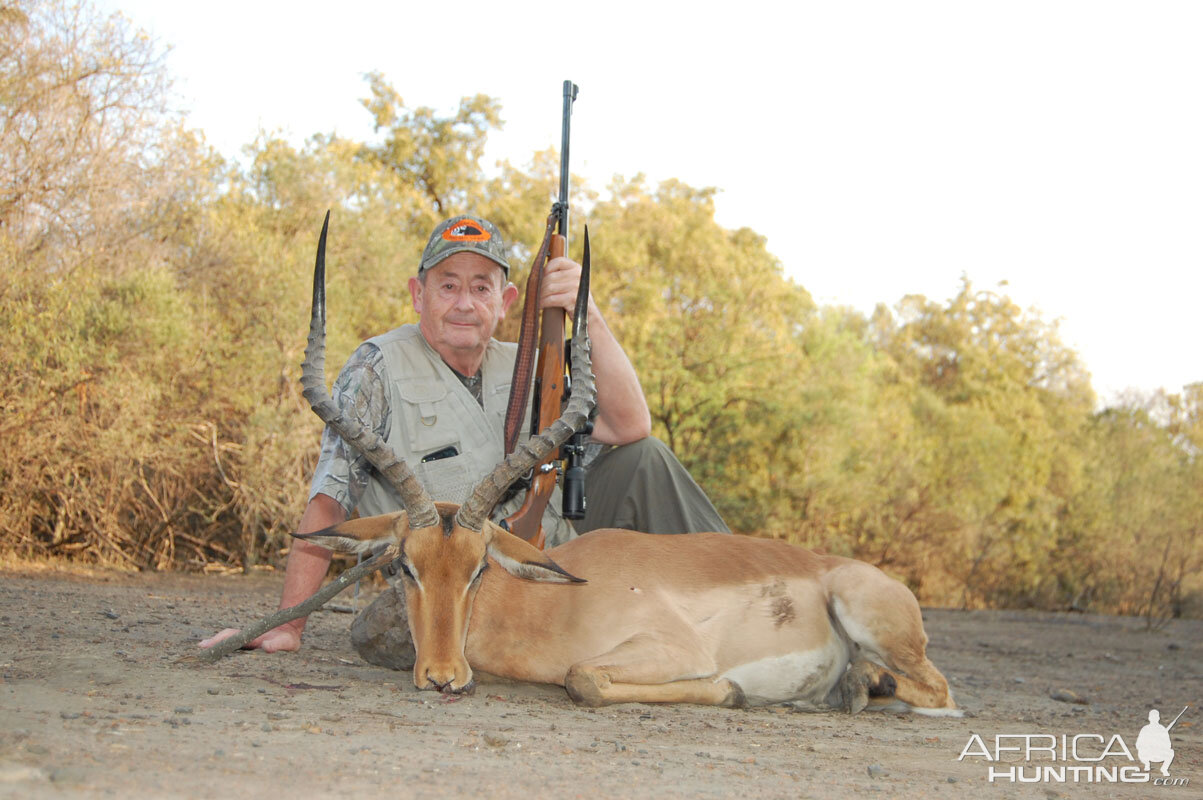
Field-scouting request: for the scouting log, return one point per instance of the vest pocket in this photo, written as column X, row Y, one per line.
column 498, row 401
column 448, row 480
column 426, row 401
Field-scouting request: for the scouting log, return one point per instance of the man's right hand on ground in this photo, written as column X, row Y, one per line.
column 277, row 639
column 307, row 565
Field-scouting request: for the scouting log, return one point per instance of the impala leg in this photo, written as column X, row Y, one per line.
column 920, row 684
column 864, row 680
column 645, row 669
column 883, row 618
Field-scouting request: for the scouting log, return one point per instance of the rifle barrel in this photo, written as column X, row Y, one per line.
column 570, row 92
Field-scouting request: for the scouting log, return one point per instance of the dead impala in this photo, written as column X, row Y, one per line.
column 695, row 618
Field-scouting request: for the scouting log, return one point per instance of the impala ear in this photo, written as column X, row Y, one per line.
column 522, row 559
column 363, row 535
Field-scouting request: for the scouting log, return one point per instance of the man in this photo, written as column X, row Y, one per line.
column 437, row 392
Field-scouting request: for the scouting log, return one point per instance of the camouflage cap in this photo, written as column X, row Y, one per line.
column 465, row 234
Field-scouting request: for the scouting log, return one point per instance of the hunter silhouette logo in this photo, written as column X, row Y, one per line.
column 1153, row 742
column 466, row 231
column 1079, row 758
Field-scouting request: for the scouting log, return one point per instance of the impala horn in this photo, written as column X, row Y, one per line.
column 419, row 506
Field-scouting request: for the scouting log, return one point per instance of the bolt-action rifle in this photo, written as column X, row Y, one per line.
column 550, row 377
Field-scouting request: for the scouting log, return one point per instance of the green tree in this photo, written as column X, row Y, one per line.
column 437, row 158
column 709, row 321
column 96, row 175
column 84, row 134
column 1134, row 534
column 998, row 408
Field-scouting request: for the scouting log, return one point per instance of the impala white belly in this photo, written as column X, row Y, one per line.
column 802, row 675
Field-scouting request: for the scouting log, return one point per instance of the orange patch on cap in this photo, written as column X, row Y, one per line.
column 466, row 231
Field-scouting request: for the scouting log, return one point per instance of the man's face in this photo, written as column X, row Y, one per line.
column 459, row 303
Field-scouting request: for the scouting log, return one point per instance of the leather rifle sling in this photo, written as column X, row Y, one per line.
column 524, row 365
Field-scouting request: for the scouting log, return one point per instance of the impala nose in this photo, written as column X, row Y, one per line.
column 441, row 680
column 447, row 675
column 438, row 681
column 446, row 685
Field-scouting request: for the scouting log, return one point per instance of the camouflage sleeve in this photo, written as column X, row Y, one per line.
column 341, row 472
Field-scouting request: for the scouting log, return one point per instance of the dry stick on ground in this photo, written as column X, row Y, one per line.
column 243, row 637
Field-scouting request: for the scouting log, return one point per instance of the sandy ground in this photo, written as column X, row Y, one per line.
column 93, row 702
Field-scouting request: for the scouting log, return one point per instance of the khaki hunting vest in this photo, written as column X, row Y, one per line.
column 431, row 410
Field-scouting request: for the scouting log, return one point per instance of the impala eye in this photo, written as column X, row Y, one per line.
column 480, row 571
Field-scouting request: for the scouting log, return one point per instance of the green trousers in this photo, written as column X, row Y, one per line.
column 643, row 487
column 639, row 486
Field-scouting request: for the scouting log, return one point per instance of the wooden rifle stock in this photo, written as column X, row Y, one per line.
column 526, row 522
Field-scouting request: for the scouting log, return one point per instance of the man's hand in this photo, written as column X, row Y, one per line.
column 622, row 412
column 307, row 564
column 283, row 638
column 561, row 280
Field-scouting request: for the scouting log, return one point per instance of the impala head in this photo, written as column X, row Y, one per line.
column 441, row 567
column 443, row 549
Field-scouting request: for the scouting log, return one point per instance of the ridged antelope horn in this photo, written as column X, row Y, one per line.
column 479, row 505
column 418, row 504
